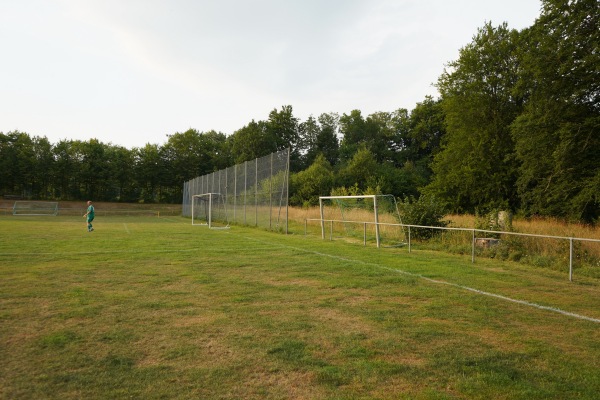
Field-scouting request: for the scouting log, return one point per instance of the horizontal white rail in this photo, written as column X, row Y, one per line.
column 472, row 230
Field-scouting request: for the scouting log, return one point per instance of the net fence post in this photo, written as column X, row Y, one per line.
column 234, row 191
column 256, row 192
column 271, row 195
column 210, row 211
column 245, row 187
column 287, row 190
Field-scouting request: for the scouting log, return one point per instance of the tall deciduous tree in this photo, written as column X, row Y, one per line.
column 426, row 128
column 8, row 160
column 42, row 182
column 251, row 141
column 148, row 172
column 190, row 154
column 327, row 139
column 362, row 170
column 477, row 166
column 558, row 135
column 283, row 129
column 64, row 171
column 319, row 136
column 121, row 173
column 307, row 185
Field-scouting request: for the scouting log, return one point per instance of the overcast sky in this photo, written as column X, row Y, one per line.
column 130, row 72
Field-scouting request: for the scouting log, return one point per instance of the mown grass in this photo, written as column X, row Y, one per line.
column 155, row 308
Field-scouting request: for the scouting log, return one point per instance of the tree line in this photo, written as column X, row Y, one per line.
column 516, row 126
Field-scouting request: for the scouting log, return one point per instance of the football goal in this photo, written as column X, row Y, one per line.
column 365, row 216
column 210, row 209
column 24, row 207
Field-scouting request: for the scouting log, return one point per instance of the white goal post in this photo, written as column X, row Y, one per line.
column 25, row 207
column 321, row 198
column 209, row 209
column 374, row 203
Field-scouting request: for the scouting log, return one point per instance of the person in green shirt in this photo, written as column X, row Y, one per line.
column 90, row 216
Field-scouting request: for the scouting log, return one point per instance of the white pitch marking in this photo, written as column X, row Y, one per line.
column 436, row 281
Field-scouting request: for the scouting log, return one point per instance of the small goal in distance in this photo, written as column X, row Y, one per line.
column 378, row 213
column 210, row 209
column 25, row 207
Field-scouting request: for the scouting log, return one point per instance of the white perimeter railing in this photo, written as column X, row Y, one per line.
column 472, row 230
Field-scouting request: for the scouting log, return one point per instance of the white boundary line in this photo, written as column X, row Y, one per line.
column 439, row 282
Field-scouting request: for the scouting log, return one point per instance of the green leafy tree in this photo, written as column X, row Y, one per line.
column 358, row 132
column 8, row 162
column 319, row 136
column 148, row 173
column 188, row 155
column 309, row 131
column 558, row 135
column 252, row 141
column 317, row 180
column 42, row 182
column 362, row 170
column 426, row 128
column 283, row 130
column 63, row 171
column 18, row 163
column 476, row 167
column 94, row 170
column 354, row 133
column 327, row 142
column 219, row 150
column 120, row 185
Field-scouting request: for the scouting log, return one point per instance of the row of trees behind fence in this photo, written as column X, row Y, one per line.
column 516, row 126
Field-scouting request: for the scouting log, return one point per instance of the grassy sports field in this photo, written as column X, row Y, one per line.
column 155, row 308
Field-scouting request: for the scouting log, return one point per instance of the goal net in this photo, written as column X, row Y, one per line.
column 24, row 207
column 210, row 209
column 364, row 217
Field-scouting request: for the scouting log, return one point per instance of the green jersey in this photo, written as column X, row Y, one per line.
column 90, row 212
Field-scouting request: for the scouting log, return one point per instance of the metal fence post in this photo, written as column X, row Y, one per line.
column 331, row 231
column 376, row 221
column 473, row 247
column 570, row 259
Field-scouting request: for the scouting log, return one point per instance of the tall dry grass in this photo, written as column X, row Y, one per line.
column 545, row 252
column 542, row 252
column 536, row 225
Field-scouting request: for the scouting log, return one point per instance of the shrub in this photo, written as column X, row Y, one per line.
column 424, row 211
column 308, row 185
